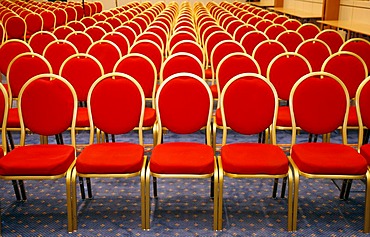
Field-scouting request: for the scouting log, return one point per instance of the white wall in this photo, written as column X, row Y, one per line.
column 312, row 6
column 355, row 11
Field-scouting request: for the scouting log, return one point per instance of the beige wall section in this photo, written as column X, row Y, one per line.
column 313, row 6
column 355, row 11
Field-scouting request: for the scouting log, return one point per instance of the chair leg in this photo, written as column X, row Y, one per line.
column 295, row 200
column 74, row 198
column 274, row 189
column 16, row 190
column 155, row 192
column 89, row 190
column 11, row 145
column 212, row 187
column 219, row 196
column 23, row 190
column 367, row 204
column 348, row 189
column 147, row 199
column 82, row 188
column 283, row 188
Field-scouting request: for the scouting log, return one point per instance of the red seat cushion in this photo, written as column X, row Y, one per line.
column 82, row 119
column 218, row 117
column 37, row 160
column 182, row 158
column 283, row 118
column 208, row 73
column 352, row 117
column 328, row 158
column 110, row 158
column 149, row 117
column 253, row 158
column 214, row 91
column 13, row 119
column 365, row 152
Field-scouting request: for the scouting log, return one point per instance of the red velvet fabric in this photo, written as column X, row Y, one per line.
column 265, row 53
column 214, row 91
column 107, row 55
column 254, row 158
column 233, row 66
column 47, row 107
column 181, row 63
column 316, row 53
column 328, row 158
column 37, row 160
column 319, row 105
column 116, row 105
column 352, row 117
column 194, row 49
column 284, row 119
column 13, row 118
column 333, row 39
column 149, row 117
column 150, row 50
column 40, row 41
column 8, row 51
column 360, row 48
column 251, row 40
column 183, row 105
column 82, row 119
column 283, row 76
column 290, row 39
column 81, row 72
column 57, row 53
column 348, row 69
column 365, row 152
column 249, row 105
column 81, row 40
column 110, row 158
column 364, row 103
column 208, row 73
column 308, row 31
column 141, row 69
column 223, row 50
column 214, row 39
column 182, row 158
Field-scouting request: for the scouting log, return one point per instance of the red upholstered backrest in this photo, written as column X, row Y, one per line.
column 332, row 38
column 316, row 52
column 233, row 65
column 265, row 52
column 116, row 105
column 308, row 30
column 183, row 104
column 9, row 50
column 319, row 104
column 223, row 49
column 181, row 62
column 290, row 39
column 149, row 49
column 361, row 48
column 106, row 52
column 47, row 106
column 248, row 104
column 251, row 39
column 24, row 67
column 120, row 40
column 3, row 105
column 349, row 68
column 39, row 40
column 81, row 71
column 285, row 71
column 57, row 51
column 364, row 103
column 141, row 69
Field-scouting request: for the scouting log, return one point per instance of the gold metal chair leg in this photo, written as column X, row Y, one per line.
column 367, row 205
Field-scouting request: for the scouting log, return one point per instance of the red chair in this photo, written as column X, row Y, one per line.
column 308, row 30
column 116, row 159
column 152, row 37
column 44, row 161
column 290, row 39
column 40, row 40
column 283, row 72
column 57, row 51
column 249, row 106
column 81, row 40
column 128, row 32
column 242, row 30
column 49, row 20
column 359, row 46
column 106, row 52
column 280, row 19
column 149, row 49
column 88, row 21
column 319, row 115
column 251, row 39
column 61, row 32
column 16, row 28
column 315, row 51
column 274, row 30
column 105, row 25
column 191, row 112
column 212, row 40
column 292, row 24
column 34, row 23
column 77, row 25
column 95, row 32
column 263, row 24
column 230, row 66
column 81, row 70
column 181, row 62
column 332, row 38
column 146, row 75
column 2, row 34
column 9, row 50
column 119, row 39
column 265, row 51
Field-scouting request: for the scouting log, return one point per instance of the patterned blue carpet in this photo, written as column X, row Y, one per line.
column 183, row 208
